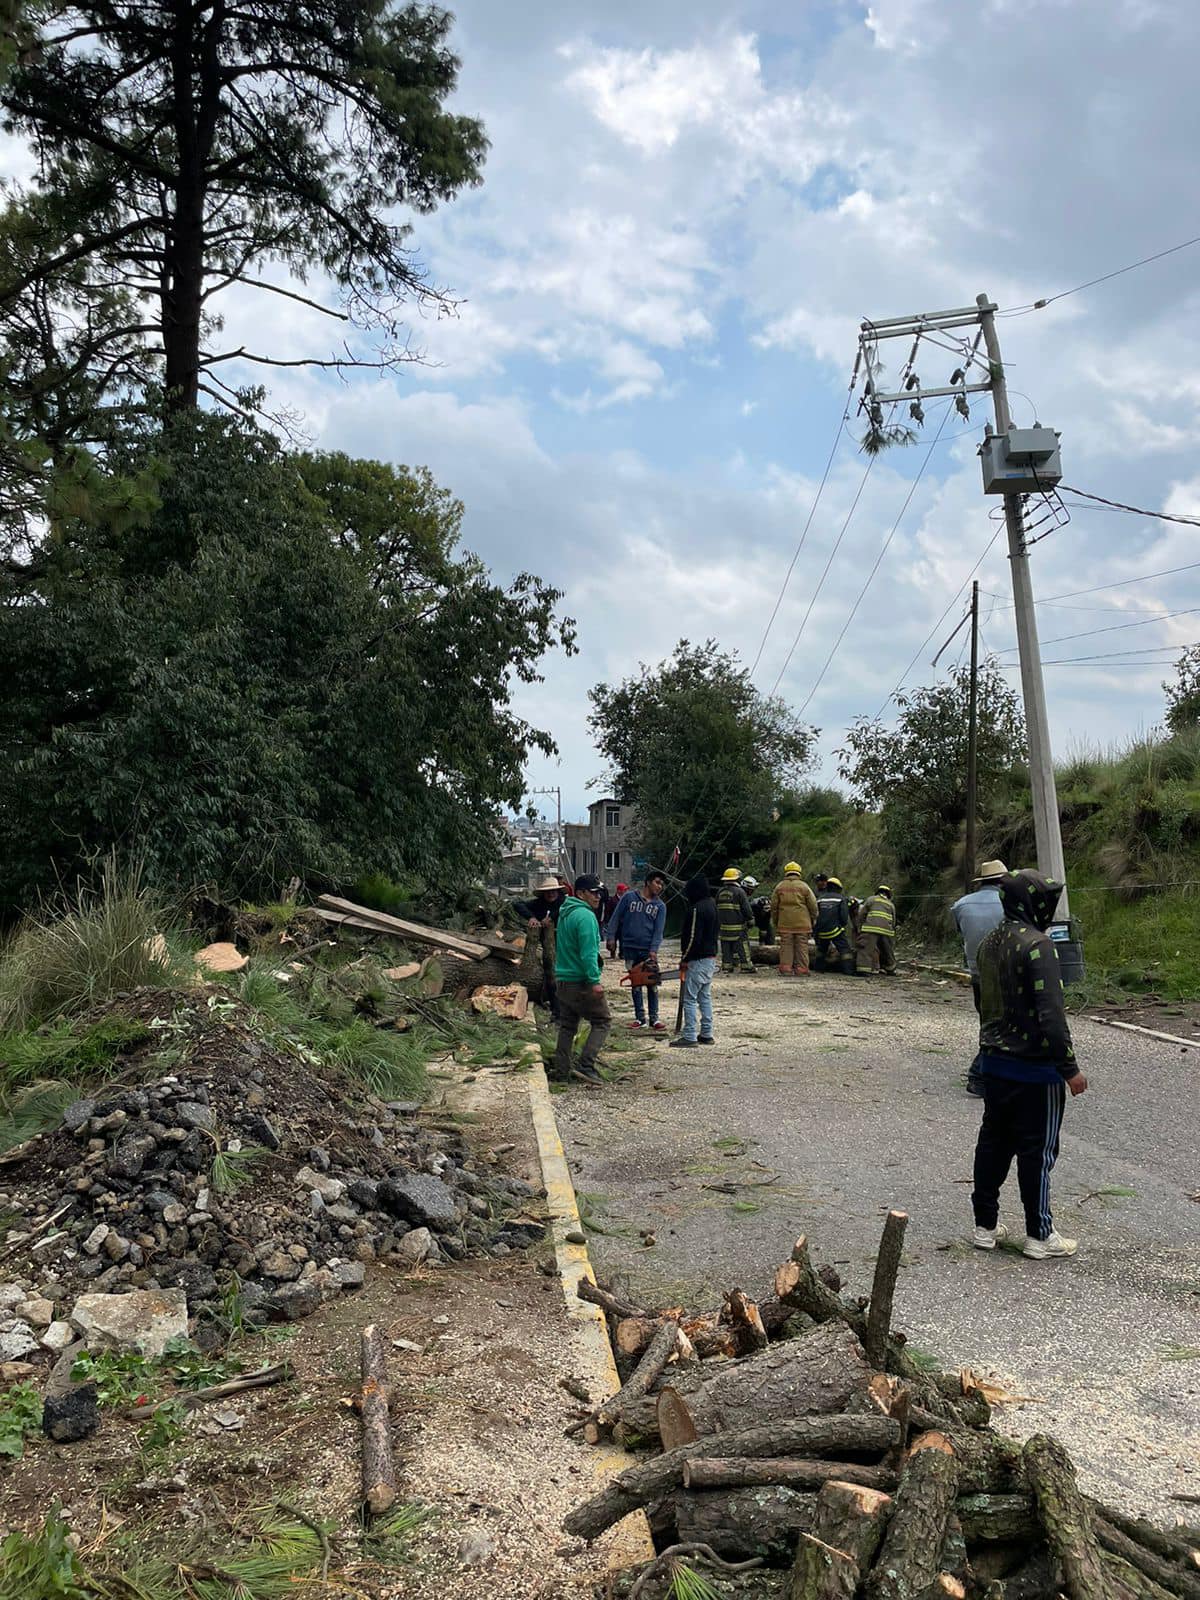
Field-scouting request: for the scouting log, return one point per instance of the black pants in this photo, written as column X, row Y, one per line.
column 835, row 954
column 974, row 1076
column 579, row 1002
column 1020, row 1120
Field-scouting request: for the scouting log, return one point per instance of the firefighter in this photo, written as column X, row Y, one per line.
column 793, row 911
column 877, row 930
column 760, row 910
column 834, row 949
column 734, row 921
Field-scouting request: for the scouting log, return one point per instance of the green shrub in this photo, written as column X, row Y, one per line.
column 380, row 893
column 102, row 940
column 20, row 1415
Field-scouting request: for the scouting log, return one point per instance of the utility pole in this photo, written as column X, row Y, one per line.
column 971, row 847
column 1016, row 463
column 1046, row 827
column 563, row 865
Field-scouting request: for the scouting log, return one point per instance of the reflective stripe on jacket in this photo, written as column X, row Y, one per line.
column 879, row 916
column 833, row 915
column 733, row 911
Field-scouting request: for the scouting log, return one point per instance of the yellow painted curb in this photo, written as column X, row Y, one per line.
column 591, row 1351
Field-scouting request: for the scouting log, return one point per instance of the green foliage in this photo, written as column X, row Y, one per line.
column 121, row 1377
column 192, row 1369
column 702, row 753
column 42, row 1566
column 388, row 1541
column 233, row 1169
column 157, row 187
column 376, row 890
column 689, row 1583
column 1183, row 694
column 915, row 773
column 251, row 686
column 164, row 1429
column 84, row 946
column 20, row 1415
column 64, row 1049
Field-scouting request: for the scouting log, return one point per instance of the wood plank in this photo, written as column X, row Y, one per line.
column 385, row 923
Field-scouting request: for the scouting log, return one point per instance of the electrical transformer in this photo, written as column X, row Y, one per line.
column 1021, row 461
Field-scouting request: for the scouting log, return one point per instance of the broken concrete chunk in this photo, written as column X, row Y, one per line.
column 38, row 1313
column 17, row 1341
column 349, row 1274
column 145, row 1320
column 416, row 1247
column 91, row 1245
column 417, row 1198
column 57, row 1337
column 191, row 1114
column 330, row 1189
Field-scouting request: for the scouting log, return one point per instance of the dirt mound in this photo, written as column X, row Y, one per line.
column 223, row 1166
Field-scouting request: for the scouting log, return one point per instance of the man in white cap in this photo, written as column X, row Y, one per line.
column 975, row 915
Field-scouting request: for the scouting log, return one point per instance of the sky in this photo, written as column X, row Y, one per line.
column 687, row 210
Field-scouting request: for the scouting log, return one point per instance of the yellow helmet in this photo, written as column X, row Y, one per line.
column 730, row 875
column 793, row 866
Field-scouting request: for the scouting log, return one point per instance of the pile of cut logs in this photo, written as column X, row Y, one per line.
column 802, row 1433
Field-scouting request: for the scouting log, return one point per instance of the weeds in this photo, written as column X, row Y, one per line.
column 232, row 1169
column 688, row 1583
column 99, row 941
column 20, row 1415
column 192, row 1369
column 42, row 1566
column 121, row 1378
column 387, row 1540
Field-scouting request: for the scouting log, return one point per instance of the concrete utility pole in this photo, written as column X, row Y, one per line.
column 1013, row 472
column 1046, row 827
column 563, row 864
column 971, row 848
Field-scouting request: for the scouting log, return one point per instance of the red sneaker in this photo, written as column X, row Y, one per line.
column 658, row 1027
column 636, row 1026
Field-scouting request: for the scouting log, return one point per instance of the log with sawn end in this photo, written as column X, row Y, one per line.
column 740, row 1472
column 910, row 1559
column 378, row 1463
column 848, row 1526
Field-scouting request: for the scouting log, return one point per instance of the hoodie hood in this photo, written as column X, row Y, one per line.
column 1030, row 897
column 697, row 889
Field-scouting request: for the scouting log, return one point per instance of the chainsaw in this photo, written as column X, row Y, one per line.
column 647, row 974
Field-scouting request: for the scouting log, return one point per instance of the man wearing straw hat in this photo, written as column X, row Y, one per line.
column 975, row 915
column 541, row 913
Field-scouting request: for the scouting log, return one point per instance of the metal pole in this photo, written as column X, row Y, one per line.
column 1047, row 831
column 971, row 847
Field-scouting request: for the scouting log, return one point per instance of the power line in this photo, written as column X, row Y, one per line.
column 1137, row 511
column 1118, row 627
column 912, row 489
column 1121, row 583
column 1154, row 649
column 821, row 581
column 1040, row 305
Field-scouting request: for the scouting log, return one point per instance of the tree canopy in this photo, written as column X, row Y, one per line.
column 915, row 773
column 183, row 151
column 1183, row 692
column 703, row 754
column 278, row 665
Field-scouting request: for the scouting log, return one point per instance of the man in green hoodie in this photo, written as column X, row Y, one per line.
column 581, row 995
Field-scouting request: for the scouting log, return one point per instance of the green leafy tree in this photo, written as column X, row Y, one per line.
column 1183, row 694
column 284, row 665
column 704, row 755
column 915, row 773
column 183, row 151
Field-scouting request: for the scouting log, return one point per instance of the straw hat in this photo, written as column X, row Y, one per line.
column 991, row 869
column 546, row 885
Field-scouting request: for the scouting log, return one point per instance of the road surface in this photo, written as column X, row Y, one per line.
column 827, row 1100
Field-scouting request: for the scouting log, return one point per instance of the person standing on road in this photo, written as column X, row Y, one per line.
column 635, row 931
column 833, row 925
column 541, row 916
column 877, row 929
column 697, row 963
column 734, row 919
column 1028, row 1064
column 581, row 996
column 760, row 910
column 975, row 915
column 793, row 911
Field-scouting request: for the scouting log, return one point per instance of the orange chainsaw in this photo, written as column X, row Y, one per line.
column 647, row 974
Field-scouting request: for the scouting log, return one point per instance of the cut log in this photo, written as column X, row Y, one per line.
column 221, row 957
column 997, row 1518
column 738, row 1472
column 378, row 1465
column 585, row 1289
column 673, row 1421
column 649, row 1368
column 1167, row 1572
column 848, row 1526
column 1171, row 1546
column 742, row 1313
column 509, row 1000
column 1066, row 1518
column 409, row 969
column 804, row 1436
column 632, row 1335
column 911, row 1556
column 815, row 1375
column 457, row 943
column 513, row 948
column 742, row 1523
column 883, row 1289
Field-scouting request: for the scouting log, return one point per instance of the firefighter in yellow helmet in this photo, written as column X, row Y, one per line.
column 793, row 911
column 734, row 921
column 834, row 929
column 877, row 930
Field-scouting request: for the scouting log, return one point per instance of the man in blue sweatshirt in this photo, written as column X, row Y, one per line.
column 635, row 930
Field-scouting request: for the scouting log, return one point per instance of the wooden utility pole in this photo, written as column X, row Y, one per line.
column 971, row 847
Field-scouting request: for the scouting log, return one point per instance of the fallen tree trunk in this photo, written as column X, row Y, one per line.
column 848, row 1527
column 910, row 1559
column 378, row 1464
column 804, row 1436
column 1066, row 1518
column 1168, row 1573
column 741, row 1524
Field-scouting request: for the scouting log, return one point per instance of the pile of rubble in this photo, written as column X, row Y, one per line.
column 801, row 1434
column 244, row 1170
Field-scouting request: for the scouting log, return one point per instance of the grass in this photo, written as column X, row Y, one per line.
column 102, row 939
column 42, row 1071
column 233, row 1169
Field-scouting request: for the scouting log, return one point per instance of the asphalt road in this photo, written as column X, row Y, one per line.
column 826, row 1101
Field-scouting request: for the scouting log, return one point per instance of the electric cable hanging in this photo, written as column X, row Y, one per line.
column 1137, row 511
column 1040, row 305
column 1117, row 627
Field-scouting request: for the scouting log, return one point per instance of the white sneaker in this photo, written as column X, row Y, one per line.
column 985, row 1238
column 1055, row 1245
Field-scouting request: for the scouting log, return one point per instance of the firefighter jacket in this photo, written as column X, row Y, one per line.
column 878, row 916
column 734, row 916
column 793, row 906
column 833, row 914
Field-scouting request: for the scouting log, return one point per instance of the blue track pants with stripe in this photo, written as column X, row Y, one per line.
column 1020, row 1120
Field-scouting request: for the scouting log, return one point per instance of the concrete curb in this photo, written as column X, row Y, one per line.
column 591, row 1352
